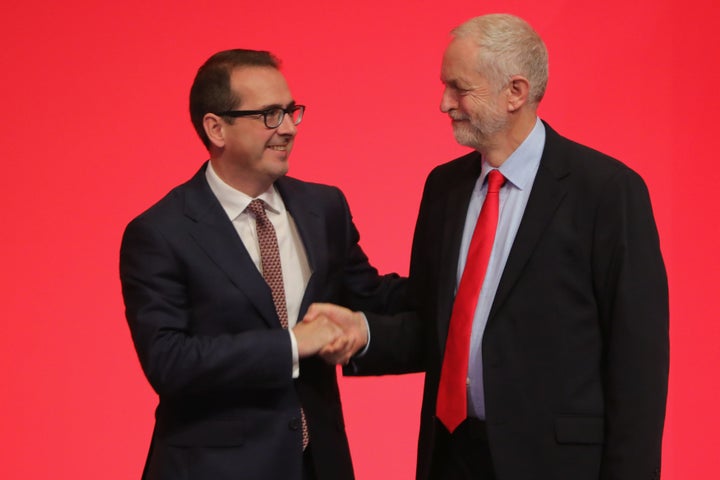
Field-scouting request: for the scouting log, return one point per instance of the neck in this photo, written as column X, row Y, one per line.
column 509, row 139
column 240, row 180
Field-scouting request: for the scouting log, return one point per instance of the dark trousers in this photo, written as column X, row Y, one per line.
column 463, row 454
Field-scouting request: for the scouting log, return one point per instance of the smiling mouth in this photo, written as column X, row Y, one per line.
column 278, row 148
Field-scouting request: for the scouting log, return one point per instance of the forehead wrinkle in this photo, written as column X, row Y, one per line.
column 458, row 77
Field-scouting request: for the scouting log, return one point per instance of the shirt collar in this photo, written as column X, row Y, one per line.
column 520, row 167
column 234, row 202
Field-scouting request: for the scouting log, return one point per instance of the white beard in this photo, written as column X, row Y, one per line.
column 478, row 133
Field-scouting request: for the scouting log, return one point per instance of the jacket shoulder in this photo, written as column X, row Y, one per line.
column 308, row 188
column 168, row 207
column 317, row 195
column 450, row 173
column 562, row 153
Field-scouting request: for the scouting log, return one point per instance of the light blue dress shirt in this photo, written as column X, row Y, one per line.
column 519, row 171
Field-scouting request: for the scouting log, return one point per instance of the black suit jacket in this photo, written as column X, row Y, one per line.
column 209, row 340
column 575, row 351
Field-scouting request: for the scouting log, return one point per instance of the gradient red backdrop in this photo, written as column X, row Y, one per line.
column 95, row 128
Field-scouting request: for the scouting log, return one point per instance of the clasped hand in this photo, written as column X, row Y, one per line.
column 332, row 332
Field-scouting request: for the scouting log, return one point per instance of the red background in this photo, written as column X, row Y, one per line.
column 94, row 128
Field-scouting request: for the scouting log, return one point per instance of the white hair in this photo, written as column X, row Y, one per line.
column 508, row 46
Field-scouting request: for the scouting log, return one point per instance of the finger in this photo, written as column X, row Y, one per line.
column 333, row 353
column 348, row 355
column 337, row 345
column 331, row 359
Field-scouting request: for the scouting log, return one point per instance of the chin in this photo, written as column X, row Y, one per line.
column 463, row 137
column 283, row 170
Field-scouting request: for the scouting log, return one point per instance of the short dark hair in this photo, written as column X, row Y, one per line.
column 211, row 92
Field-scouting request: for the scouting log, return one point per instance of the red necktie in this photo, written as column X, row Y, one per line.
column 272, row 273
column 452, row 392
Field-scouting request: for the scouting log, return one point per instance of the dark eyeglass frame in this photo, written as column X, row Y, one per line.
column 268, row 112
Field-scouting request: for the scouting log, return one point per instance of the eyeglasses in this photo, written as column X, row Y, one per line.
column 273, row 117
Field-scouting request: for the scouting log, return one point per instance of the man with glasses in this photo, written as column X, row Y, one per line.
column 217, row 274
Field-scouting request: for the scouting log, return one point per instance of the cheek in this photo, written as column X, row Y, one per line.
column 476, row 104
column 471, row 111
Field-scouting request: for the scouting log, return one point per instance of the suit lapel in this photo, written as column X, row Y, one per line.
column 310, row 224
column 547, row 192
column 214, row 232
column 453, row 224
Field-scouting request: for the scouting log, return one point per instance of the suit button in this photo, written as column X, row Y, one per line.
column 294, row 424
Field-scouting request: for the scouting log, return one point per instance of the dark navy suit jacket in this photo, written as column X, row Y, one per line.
column 209, row 340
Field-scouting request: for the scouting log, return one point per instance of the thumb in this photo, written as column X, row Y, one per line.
column 313, row 312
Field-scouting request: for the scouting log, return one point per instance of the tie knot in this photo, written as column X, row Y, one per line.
column 495, row 181
column 257, row 208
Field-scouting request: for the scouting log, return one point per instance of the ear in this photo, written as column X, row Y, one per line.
column 214, row 129
column 518, row 92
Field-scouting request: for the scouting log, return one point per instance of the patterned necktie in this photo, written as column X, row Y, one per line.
column 452, row 392
column 270, row 258
column 272, row 273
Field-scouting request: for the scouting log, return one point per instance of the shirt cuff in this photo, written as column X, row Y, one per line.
column 295, row 356
column 367, row 345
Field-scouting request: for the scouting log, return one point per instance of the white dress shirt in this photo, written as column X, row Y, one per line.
column 293, row 259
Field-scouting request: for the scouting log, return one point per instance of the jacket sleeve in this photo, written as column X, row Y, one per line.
column 176, row 358
column 631, row 286
column 363, row 287
column 399, row 337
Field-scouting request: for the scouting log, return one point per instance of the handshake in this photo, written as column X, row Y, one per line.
column 332, row 332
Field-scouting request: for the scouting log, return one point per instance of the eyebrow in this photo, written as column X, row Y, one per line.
column 448, row 81
column 454, row 84
column 278, row 105
column 458, row 84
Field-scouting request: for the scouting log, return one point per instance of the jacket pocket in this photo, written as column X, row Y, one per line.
column 576, row 429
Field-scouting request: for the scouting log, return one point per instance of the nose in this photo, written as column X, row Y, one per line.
column 287, row 127
column 448, row 100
